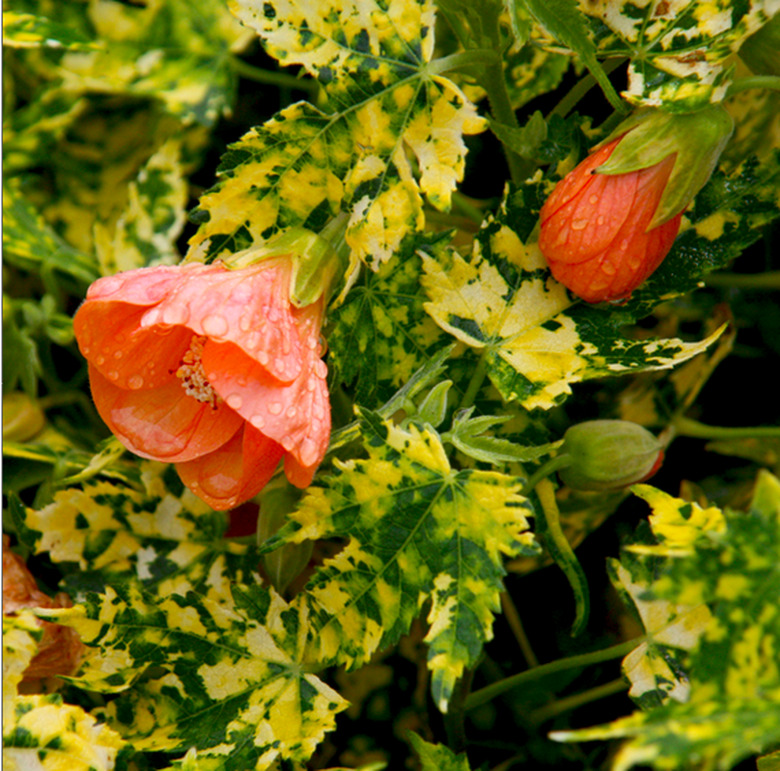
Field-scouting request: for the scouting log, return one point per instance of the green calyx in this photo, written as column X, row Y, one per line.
column 649, row 136
column 318, row 259
column 608, row 454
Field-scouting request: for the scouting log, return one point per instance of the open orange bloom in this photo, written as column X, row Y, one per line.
column 211, row 369
column 594, row 232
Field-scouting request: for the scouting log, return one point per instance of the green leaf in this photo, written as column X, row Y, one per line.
column 727, row 561
column 437, row 757
column 418, row 530
column 26, row 30
column 504, row 302
column 30, row 243
column 384, row 105
column 564, row 20
column 234, row 680
column 49, row 735
column 381, row 334
column 21, row 635
column 680, row 52
column 146, row 231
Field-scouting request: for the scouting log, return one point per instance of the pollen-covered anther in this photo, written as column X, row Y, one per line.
column 192, row 375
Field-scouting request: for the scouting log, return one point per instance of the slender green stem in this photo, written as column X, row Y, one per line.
column 500, row 105
column 754, row 81
column 551, row 532
column 551, row 466
column 462, row 204
column 688, row 427
column 568, row 703
column 282, row 79
column 475, row 383
column 455, row 717
column 769, row 281
column 516, row 625
column 463, row 60
column 578, row 91
column 490, row 692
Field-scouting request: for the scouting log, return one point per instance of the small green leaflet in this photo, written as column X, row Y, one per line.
column 381, row 334
column 418, row 530
column 384, row 103
column 537, row 343
column 679, row 49
column 437, row 757
column 727, row 561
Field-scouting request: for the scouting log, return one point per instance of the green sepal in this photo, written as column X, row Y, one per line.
column 651, row 135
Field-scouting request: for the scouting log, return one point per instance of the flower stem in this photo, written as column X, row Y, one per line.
column 580, row 88
column 577, row 700
column 552, row 465
column 490, row 692
column 769, row 281
column 475, row 383
column 281, row 79
column 688, row 427
column 754, row 81
column 516, row 625
column 552, row 534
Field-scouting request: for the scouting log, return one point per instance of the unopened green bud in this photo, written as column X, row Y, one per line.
column 284, row 564
column 607, row 454
column 22, row 417
column 761, row 51
column 649, row 136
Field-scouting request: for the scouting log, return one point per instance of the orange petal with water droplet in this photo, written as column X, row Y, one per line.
column 162, row 423
column 235, row 472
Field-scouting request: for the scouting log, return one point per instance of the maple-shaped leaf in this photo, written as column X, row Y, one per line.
column 389, row 132
column 504, row 302
column 418, row 530
column 681, row 50
column 381, row 334
column 230, row 676
column 163, row 536
column 726, row 560
column 48, row 735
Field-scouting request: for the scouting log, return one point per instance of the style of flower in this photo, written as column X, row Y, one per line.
column 594, row 227
column 211, row 369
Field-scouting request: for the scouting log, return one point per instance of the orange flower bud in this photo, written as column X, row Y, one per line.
column 595, row 228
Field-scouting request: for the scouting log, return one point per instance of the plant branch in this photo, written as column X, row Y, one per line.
column 771, row 82
column 688, row 427
column 490, row 692
column 516, row 625
column 281, row 79
column 568, row 703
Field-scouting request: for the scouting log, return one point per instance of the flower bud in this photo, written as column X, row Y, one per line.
column 22, row 417
column 611, row 221
column 606, row 454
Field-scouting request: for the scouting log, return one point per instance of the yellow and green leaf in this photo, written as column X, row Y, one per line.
column 390, row 132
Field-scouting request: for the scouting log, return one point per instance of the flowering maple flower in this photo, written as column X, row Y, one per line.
column 595, row 228
column 210, row 368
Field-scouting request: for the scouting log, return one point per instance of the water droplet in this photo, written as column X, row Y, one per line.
column 600, row 220
column 320, row 369
column 242, row 381
column 263, row 358
column 253, row 340
column 176, row 314
column 113, row 375
column 609, row 268
column 100, row 360
column 275, row 408
column 118, row 354
column 135, row 382
column 85, row 349
column 291, row 412
column 624, row 244
column 579, row 224
column 234, row 401
column 258, row 421
column 308, row 453
column 311, row 383
column 594, row 199
column 245, row 322
column 215, row 326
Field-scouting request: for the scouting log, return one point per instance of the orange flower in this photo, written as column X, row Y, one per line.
column 594, row 227
column 211, row 369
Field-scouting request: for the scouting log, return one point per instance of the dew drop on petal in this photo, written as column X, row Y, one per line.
column 176, row 314
column 118, row 354
column 594, row 199
column 263, row 358
column 253, row 340
column 308, row 454
column 100, row 360
column 234, row 401
column 113, row 375
column 275, row 408
column 600, row 220
column 579, row 224
column 320, row 369
column 258, row 421
column 135, row 382
column 624, row 245
column 291, row 412
column 214, row 325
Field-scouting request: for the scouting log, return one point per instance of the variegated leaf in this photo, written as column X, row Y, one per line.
column 537, row 342
column 418, row 530
column 385, row 104
column 680, row 49
column 27, row 30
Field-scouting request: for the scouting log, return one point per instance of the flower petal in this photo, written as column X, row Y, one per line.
column 111, row 338
column 142, row 286
column 235, row 472
column 249, row 307
column 162, row 423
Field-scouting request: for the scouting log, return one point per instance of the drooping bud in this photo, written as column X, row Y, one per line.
column 22, row 417
column 607, row 454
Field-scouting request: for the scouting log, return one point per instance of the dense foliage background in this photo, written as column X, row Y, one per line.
column 421, row 599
